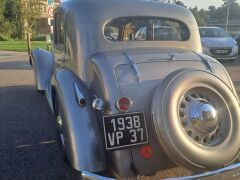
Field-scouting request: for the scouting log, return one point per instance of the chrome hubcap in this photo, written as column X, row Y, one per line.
column 59, row 121
column 203, row 116
column 199, row 118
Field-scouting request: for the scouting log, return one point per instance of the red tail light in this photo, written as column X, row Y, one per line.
column 146, row 152
column 124, row 104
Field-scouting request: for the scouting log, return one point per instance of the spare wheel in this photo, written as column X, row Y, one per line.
column 196, row 119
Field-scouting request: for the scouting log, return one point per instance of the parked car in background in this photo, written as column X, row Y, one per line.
column 136, row 105
column 237, row 39
column 218, row 44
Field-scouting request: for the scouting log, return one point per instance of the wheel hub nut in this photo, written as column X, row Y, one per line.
column 203, row 116
column 59, row 120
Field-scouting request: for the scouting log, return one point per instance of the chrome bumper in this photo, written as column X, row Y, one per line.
column 226, row 58
column 229, row 172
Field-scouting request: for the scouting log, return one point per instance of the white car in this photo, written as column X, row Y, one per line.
column 218, row 44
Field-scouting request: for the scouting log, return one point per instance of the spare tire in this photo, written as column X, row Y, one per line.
column 196, row 119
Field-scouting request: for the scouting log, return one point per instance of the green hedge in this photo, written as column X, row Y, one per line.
column 21, row 46
column 4, row 37
column 39, row 37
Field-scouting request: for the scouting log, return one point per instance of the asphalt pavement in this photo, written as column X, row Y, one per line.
column 28, row 141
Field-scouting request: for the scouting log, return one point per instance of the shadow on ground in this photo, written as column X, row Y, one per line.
column 230, row 63
column 6, row 55
column 15, row 65
column 28, row 147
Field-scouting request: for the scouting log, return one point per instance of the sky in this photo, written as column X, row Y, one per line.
column 204, row 4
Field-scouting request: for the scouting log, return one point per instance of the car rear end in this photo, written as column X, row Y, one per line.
column 126, row 82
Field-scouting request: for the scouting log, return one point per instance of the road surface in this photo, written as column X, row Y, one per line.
column 28, row 148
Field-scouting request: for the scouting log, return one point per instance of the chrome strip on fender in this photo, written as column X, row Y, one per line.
column 206, row 62
column 134, row 66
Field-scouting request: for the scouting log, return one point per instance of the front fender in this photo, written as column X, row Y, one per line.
column 83, row 139
column 43, row 65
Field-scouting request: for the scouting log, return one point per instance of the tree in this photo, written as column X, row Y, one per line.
column 12, row 14
column 212, row 12
column 228, row 4
column 2, row 8
column 198, row 16
column 221, row 12
column 5, row 25
column 203, row 14
column 234, row 10
column 30, row 11
column 180, row 3
column 11, row 11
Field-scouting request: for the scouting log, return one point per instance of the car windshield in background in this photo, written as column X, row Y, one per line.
column 146, row 29
column 213, row 32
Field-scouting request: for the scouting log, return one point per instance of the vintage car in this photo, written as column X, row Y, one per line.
column 134, row 106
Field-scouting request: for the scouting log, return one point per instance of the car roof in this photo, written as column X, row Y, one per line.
column 142, row 7
column 86, row 20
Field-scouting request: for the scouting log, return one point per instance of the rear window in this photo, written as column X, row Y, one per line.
column 146, row 29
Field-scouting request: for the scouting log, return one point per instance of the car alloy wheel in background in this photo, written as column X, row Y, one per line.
column 58, row 118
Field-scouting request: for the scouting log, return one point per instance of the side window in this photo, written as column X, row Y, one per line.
column 59, row 31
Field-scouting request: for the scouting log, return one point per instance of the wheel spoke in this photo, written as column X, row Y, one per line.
column 205, row 127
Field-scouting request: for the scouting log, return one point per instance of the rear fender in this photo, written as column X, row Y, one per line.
column 43, row 65
column 83, row 139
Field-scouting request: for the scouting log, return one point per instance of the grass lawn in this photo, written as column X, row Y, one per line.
column 21, row 46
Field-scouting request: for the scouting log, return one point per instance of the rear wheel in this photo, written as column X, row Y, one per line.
column 59, row 119
column 41, row 92
column 196, row 118
column 30, row 60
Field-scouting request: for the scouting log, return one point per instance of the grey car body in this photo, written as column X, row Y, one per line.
column 218, row 45
column 89, row 72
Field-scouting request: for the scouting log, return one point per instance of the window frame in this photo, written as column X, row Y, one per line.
column 59, row 17
column 150, row 17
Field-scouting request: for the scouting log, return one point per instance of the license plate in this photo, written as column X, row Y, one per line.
column 125, row 130
column 221, row 51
